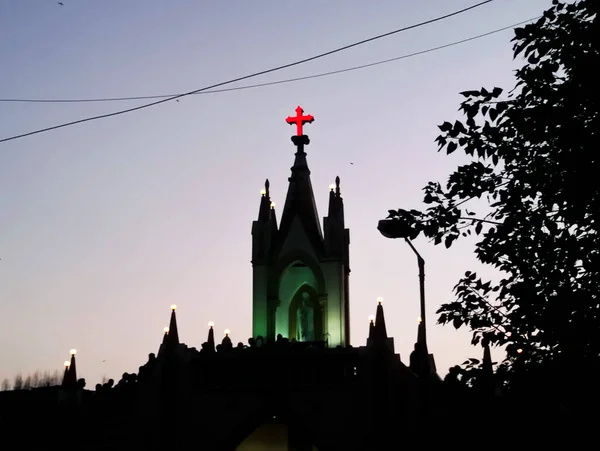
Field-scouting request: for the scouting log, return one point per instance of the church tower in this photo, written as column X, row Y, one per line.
column 300, row 269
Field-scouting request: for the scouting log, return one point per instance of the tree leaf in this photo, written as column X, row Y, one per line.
column 457, row 322
column 452, row 146
column 448, row 241
column 478, row 227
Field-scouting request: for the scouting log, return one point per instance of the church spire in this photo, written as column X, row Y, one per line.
column 300, row 200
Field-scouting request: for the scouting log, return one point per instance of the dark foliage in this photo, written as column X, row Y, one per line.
column 535, row 156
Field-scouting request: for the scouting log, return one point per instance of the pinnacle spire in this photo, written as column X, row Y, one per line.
column 488, row 382
column 65, row 380
column 378, row 337
column 371, row 328
column 265, row 203
column 380, row 329
column 173, row 334
column 487, row 359
column 73, row 368
column 211, row 337
column 70, row 375
column 226, row 343
column 336, row 203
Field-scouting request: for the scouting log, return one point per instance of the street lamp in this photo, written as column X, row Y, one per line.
column 393, row 228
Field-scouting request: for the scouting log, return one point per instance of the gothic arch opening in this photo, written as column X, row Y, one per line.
column 299, row 314
column 297, row 259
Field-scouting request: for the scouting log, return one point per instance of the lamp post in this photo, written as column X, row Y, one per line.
column 393, row 228
column 421, row 264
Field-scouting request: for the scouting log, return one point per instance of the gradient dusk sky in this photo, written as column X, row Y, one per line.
column 103, row 225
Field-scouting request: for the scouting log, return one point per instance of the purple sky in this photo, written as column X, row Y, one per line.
column 105, row 224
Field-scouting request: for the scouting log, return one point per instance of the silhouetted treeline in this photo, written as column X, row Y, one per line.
column 36, row 380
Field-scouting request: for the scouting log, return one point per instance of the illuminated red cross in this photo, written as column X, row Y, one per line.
column 299, row 120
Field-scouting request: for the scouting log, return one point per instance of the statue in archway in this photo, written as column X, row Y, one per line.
column 305, row 320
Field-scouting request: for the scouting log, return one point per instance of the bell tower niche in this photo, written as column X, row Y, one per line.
column 300, row 271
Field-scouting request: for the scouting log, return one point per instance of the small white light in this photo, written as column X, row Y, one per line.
column 263, row 192
column 73, row 351
column 519, row 351
column 227, row 331
column 332, row 186
column 173, row 306
column 272, row 204
column 419, row 320
column 371, row 318
column 211, row 324
column 379, row 300
column 166, row 330
column 67, row 363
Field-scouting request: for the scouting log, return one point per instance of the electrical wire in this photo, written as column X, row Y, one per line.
column 278, row 82
column 256, row 74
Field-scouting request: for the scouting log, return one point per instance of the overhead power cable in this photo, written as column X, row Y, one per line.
column 277, row 82
column 256, row 74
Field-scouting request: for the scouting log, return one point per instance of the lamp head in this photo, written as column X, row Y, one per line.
column 396, row 228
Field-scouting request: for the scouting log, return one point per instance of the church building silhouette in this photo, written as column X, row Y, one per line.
column 297, row 384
